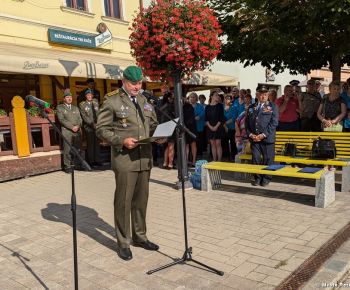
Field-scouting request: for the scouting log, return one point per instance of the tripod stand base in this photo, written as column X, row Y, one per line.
column 187, row 257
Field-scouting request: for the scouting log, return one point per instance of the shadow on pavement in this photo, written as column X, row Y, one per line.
column 160, row 182
column 24, row 261
column 296, row 197
column 88, row 222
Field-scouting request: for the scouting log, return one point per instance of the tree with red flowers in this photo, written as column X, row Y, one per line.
column 175, row 36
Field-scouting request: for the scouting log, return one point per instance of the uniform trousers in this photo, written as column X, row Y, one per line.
column 75, row 140
column 262, row 154
column 131, row 197
column 93, row 146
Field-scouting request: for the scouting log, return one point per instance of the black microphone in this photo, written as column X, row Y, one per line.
column 149, row 97
column 36, row 101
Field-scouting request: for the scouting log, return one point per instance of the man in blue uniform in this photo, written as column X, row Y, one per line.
column 261, row 123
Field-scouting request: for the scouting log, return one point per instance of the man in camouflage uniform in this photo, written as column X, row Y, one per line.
column 70, row 119
column 124, row 118
column 89, row 111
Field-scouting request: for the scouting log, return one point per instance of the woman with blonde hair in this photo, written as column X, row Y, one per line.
column 214, row 120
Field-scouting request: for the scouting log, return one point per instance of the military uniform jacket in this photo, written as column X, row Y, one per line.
column 262, row 121
column 86, row 111
column 119, row 119
column 68, row 117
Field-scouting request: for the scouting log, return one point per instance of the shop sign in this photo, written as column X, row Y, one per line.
column 80, row 39
column 29, row 65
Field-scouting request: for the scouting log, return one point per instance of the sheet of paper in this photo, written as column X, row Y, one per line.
column 163, row 130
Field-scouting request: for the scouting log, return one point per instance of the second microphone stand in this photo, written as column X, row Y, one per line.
column 75, row 154
column 181, row 130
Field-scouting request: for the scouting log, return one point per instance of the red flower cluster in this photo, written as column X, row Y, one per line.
column 175, row 36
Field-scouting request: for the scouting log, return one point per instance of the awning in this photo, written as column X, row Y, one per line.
column 85, row 64
column 210, row 79
column 31, row 60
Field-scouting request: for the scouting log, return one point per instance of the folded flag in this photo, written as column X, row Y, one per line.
column 310, row 169
column 274, row 167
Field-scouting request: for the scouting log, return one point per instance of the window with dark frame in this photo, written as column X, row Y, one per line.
column 77, row 4
column 113, row 8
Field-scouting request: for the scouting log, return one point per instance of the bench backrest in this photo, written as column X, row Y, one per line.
column 304, row 140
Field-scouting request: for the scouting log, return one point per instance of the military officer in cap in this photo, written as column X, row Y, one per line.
column 124, row 118
column 70, row 119
column 91, row 86
column 260, row 124
column 89, row 111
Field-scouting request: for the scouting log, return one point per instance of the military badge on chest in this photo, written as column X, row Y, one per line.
column 267, row 108
column 123, row 115
column 148, row 108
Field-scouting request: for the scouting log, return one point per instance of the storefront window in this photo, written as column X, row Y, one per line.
column 17, row 85
column 112, row 8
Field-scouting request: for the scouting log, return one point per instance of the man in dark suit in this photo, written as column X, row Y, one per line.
column 261, row 123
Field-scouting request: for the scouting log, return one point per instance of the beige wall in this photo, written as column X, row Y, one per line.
column 326, row 75
column 27, row 22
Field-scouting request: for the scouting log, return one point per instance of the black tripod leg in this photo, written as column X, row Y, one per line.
column 221, row 273
column 179, row 261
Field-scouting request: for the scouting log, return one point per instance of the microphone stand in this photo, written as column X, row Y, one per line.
column 181, row 130
column 75, row 154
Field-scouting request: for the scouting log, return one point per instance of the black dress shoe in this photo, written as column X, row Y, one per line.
column 147, row 245
column 255, row 182
column 125, row 254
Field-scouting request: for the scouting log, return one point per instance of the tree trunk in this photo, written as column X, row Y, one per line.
column 336, row 67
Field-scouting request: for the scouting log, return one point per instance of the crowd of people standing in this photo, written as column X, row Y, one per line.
column 221, row 122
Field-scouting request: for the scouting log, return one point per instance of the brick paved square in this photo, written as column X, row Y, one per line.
column 258, row 236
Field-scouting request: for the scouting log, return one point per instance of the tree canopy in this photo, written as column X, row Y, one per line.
column 299, row 35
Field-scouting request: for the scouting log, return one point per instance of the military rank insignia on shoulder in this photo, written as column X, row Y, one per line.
column 111, row 93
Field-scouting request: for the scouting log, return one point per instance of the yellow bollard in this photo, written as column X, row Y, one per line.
column 21, row 127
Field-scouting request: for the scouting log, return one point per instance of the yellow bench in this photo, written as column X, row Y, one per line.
column 325, row 188
column 304, row 140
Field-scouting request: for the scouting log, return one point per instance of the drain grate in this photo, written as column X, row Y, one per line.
column 307, row 269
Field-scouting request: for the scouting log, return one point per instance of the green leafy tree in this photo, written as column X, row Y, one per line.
column 300, row 35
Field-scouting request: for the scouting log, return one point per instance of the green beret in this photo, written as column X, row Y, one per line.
column 133, row 73
column 66, row 94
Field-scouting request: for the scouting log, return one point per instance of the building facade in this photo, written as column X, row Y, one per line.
column 49, row 46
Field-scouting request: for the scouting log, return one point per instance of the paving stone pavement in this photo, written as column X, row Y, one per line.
column 257, row 236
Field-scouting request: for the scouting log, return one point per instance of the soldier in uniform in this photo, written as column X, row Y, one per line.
column 124, row 118
column 70, row 119
column 91, row 85
column 260, row 124
column 89, row 111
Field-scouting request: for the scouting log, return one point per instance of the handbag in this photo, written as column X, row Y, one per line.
column 334, row 128
column 323, row 149
column 289, row 149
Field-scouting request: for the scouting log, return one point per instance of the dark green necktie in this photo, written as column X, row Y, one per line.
column 138, row 108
